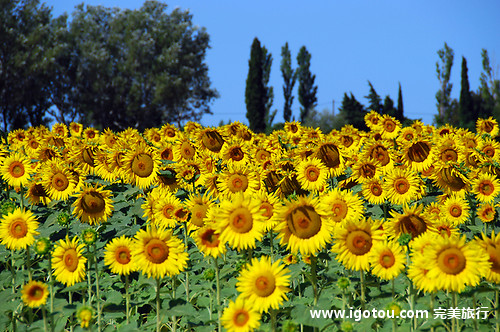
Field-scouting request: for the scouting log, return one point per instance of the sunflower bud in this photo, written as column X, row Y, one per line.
column 346, row 326
column 209, row 274
column 84, row 315
column 89, row 236
column 289, row 326
column 395, row 308
column 343, row 283
column 7, row 207
column 63, row 219
column 42, row 246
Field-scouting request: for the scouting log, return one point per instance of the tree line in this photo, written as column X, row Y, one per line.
column 106, row 67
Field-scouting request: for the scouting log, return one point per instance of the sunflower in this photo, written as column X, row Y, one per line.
column 387, row 259
column 240, row 316
column 419, row 154
column 454, row 264
column 455, row 209
column 492, row 246
column 184, row 150
column 264, row 284
column 373, row 191
column 365, row 170
column 36, row 194
column 198, row 204
column 311, row 174
column 164, row 208
column 443, row 227
column 418, row 273
column 238, row 179
column 450, row 149
column 353, row 243
column 15, row 170
column 373, row 120
column 210, row 141
column 34, row 294
column 304, row 226
column 239, row 221
column 141, row 165
column 76, row 129
column 269, row 203
column 90, row 134
column 189, row 175
column 342, row 205
column 93, row 205
column 18, row 229
column 85, row 315
column 331, row 156
column 486, row 187
column 412, row 221
column 379, row 151
column 58, row 181
column 486, row 212
column 118, row 256
column 450, row 180
column 236, row 152
column 207, row 240
column 390, row 127
column 402, row 186
column 159, row 253
column 68, row 261
column 487, row 126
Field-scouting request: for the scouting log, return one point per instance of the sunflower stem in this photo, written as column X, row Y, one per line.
column 474, row 306
column 51, row 292
column 98, row 297
column 217, row 285
column 497, row 325
column 273, row 313
column 454, row 322
column 70, row 301
column 174, row 318
column 314, row 277
column 89, row 278
column 187, row 272
column 158, row 321
column 271, row 243
column 12, row 262
column 393, row 292
column 44, row 314
column 127, row 299
column 362, row 285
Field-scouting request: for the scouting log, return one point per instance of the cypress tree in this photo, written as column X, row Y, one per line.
column 467, row 117
column 289, row 78
column 374, row 99
column 255, row 91
column 399, row 111
column 307, row 89
column 353, row 112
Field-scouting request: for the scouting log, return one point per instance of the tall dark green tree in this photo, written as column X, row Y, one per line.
column 388, row 107
column 489, row 90
column 255, row 91
column 307, row 89
column 353, row 112
column 25, row 43
column 467, row 116
column 289, row 78
column 375, row 102
column 446, row 109
column 134, row 68
column 399, row 110
column 268, row 61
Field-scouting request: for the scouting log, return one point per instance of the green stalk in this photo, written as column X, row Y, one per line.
column 44, row 314
column 432, row 307
column 174, row 318
column 474, row 306
column 497, row 325
column 187, row 271
column 12, row 262
column 271, row 243
column 158, row 320
column 70, row 295
column 98, row 297
column 28, row 262
column 51, row 291
column 127, row 299
column 362, row 285
column 273, row 314
column 454, row 323
column 217, row 285
column 89, row 278
column 314, row 277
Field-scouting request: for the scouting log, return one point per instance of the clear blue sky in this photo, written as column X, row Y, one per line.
column 351, row 42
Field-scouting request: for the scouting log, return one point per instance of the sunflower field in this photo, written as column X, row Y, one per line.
column 221, row 229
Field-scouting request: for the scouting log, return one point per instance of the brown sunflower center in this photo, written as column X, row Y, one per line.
column 241, row 220
column 451, row 261
column 93, row 203
column 167, row 154
column 488, row 126
column 450, row 179
column 265, row 285
column 358, row 242
column 419, row 152
column 241, row 317
column 122, row 255
column 236, row 154
column 88, row 156
column 156, row 251
column 35, row 293
column 304, row 222
column 209, row 238
column 494, row 253
column 488, row 213
column 187, row 150
column 70, row 259
column 38, row 190
column 368, row 170
column 486, row 187
column 142, row 165
column 329, row 155
column 18, row 228
column 412, row 224
column 455, row 211
column 389, row 125
column 198, row 212
column 59, row 181
column 449, row 155
column 380, row 153
column 489, row 151
column 16, row 169
column 339, row 210
column 387, row 259
column 401, row 186
column 376, row 189
column 237, row 182
column 212, row 140
column 312, row 173
column 267, row 209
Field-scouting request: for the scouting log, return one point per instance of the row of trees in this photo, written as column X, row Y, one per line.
column 106, row 67
column 259, row 95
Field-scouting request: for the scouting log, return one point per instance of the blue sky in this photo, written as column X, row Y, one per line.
column 351, row 42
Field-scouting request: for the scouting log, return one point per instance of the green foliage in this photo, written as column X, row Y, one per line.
column 446, row 109
column 400, row 110
column 307, row 89
column 467, row 116
column 375, row 102
column 255, row 91
column 353, row 112
column 289, row 78
column 325, row 120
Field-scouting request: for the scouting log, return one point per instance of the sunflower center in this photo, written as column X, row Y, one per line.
column 347, row 140
column 93, row 203
column 451, row 261
column 122, row 255
column 198, row 212
column 451, row 180
column 35, row 293
column 60, row 182
column 312, row 173
column 412, row 224
column 359, row 242
column 156, row 251
column 167, row 154
column 419, row 152
column 455, row 211
column 168, row 210
column 88, row 156
column 486, row 188
column 368, row 170
column 376, row 189
column 237, row 182
column 236, row 154
column 389, row 125
column 212, row 140
column 339, row 210
column 488, row 126
column 267, row 209
column 187, row 150
column 387, row 259
column 241, row 318
column 449, row 155
column 210, row 239
column 379, row 152
column 329, row 155
column 494, row 253
column 488, row 213
column 489, row 151
column 16, row 169
column 142, row 165
column 304, row 222
column 241, row 220
column 19, row 229
column 70, row 259
column 401, row 186
column 265, row 285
